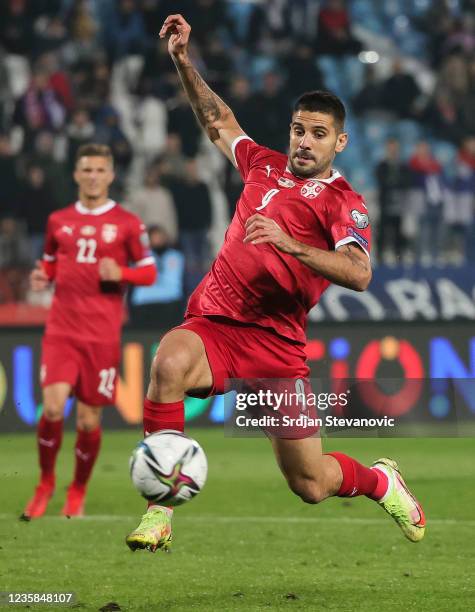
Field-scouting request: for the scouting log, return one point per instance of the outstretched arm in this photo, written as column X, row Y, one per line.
column 213, row 114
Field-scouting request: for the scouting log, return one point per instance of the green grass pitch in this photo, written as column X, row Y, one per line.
column 245, row 543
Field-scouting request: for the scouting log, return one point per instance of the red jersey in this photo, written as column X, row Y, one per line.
column 259, row 284
column 83, row 306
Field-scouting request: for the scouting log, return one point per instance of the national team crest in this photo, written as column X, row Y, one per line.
column 88, row 230
column 312, row 189
column 109, row 232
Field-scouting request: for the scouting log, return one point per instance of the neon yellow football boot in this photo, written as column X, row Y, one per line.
column 400, row 503
column 154, row 531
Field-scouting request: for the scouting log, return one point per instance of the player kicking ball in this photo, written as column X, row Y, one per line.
column 88, row 247
column 298, row 227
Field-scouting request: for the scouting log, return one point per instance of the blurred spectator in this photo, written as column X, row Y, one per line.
column 6, row 94
column 453, row 76
column 467, row 104
column 154, row 204
column 428, row 192
column 109, row 132
column 16, row 27
column 193, row 204
column 36, row 200
column 462, row 37
column 154, row 13
column 39, row 108
column 302, row 70
column 43, row 155
column 8, row 176
column 241, row 100
column 218, row 64
column 394, row 180
column 124, row 31
column 59, row 80
column 161, row 303
column 158, row 72
column 277, row 14
column 79, row 130
column 400, row 92
column 369, row 97
column 149, row 117
column 172, row 162
column 272, row 108
column 303, row 18
column 207, row 17
column 436, row 23
column 83, row 46
column 15, row 261
column 334, row 35
column 51, row 34
column 459, row 207
column 443, row 116
column 97, row 95
column 182, row 121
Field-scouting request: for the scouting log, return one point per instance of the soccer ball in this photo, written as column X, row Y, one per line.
column 168, row 467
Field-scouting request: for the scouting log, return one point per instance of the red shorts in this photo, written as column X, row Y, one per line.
column 89, row 367
column 237, row 350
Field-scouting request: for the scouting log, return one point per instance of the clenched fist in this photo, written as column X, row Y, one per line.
column 109, row 270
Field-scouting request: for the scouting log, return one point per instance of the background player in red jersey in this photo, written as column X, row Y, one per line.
column 298, row 227
column 87, row 250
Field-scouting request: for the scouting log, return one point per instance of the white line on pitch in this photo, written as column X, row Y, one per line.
column 250, row 519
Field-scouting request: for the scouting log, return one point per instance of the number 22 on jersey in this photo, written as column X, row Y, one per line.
column 86, row 250
column 267, row 198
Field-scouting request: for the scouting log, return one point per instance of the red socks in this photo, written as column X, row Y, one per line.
column 49, row 436
column 157, row 416
column 359, row 479
column 86, row 450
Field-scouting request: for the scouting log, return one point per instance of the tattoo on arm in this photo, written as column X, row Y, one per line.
column 354, row 259
column 207, row 106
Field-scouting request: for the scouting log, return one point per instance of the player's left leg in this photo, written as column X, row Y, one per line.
column 314, row 476
column 86, row 450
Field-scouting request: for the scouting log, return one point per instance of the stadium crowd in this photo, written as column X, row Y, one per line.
column 75, row 71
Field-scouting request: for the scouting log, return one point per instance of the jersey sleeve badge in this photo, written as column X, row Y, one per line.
column 360, row 219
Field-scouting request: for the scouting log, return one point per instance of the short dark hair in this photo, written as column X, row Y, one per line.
column 93, row 149
column 321, row 101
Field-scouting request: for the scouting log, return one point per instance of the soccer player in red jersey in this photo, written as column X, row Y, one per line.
column 88, row 247
column 298, row 227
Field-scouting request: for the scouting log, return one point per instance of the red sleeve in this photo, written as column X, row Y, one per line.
column 50, row 269
column 144, row 272
column 249, row 154
column 50, row 248
column 143, row 275
column 138, row 246
column 51, row 245
column 349, row 222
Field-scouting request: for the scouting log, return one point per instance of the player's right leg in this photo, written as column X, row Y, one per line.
column 180, row 365
column 49, row 437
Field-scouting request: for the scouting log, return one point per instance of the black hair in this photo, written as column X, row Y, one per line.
column 321, row 101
